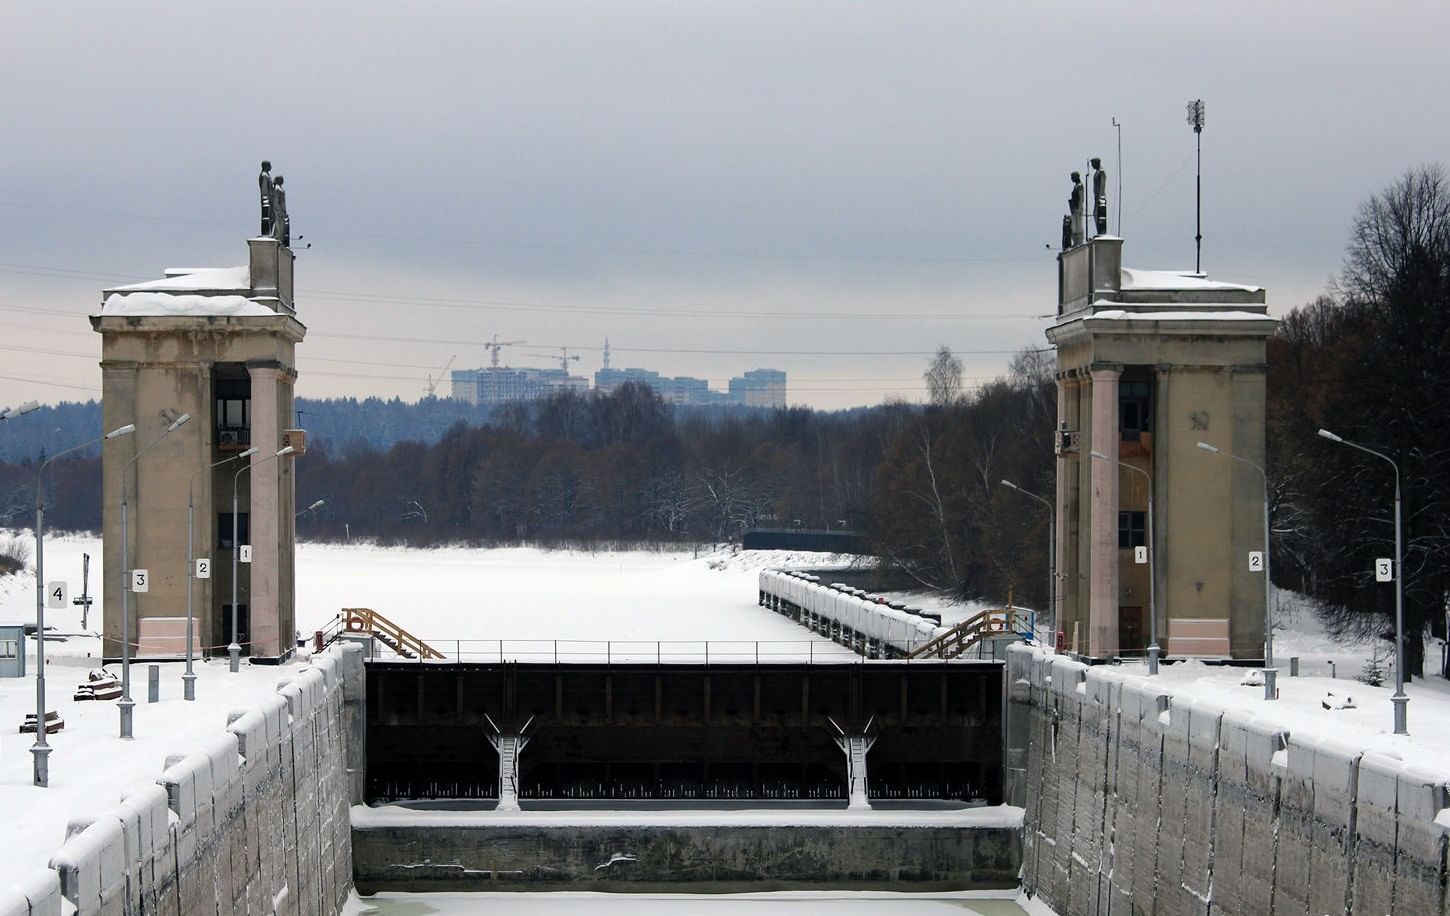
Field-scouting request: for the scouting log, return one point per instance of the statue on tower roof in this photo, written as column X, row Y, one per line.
column 1100, row 197
column 264, row 186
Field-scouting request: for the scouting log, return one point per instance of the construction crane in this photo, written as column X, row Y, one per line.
column 433, row 382
column 564, row 358
column 495, row 345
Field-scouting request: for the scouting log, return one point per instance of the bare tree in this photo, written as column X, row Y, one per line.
column 944, row 378
column 1407, row 220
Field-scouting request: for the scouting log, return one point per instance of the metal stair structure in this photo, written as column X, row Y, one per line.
column 856, row 746
column 385, row 631
column 966, row 635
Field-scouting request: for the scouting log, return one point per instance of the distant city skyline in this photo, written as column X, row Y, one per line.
column 834, row 191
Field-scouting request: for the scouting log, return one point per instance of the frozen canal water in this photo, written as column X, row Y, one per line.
column 824, row 903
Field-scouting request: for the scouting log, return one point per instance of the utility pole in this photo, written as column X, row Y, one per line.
column 1195, row 120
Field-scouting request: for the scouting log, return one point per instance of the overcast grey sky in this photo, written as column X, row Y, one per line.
column 712, row 186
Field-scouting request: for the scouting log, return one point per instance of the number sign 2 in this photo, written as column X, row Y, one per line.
column 203, row 567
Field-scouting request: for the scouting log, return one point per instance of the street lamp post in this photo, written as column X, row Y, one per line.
column 41, row 750
column 1153, row 649
column 189, row 678
column 10, row 413
column 234, row 648
column 1051, row 554
column 1400, row 699
column 126, row 704
column 1268, row 607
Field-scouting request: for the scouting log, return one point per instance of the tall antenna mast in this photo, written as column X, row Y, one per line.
column 1195, row 120
column 606, row 352
column 1119, row 206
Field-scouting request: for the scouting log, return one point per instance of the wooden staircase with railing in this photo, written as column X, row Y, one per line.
column 963, row 637
column 385, row 631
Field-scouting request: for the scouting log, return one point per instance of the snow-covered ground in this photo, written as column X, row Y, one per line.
column 444, row 594
column 522, row 597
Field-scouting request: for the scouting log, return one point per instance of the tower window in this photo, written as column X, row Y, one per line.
column 1132, row 530
column 224, row 530
column 1135, row 409
column 234, row 413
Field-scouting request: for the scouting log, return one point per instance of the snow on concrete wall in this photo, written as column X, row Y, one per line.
column 254, row 822
column 1139, row 801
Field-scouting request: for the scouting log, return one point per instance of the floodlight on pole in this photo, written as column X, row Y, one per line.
column 316, row 505
column 41, row 749
column 234, row 648
column 1268, row 585
column 1195, row 120
column 1051, row 553
column 1153, row 650
column 1399, row 699
column 126, row 704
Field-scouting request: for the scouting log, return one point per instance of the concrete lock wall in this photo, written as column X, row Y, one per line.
column 694, row 858
column 253, row 822
column 1141, row 802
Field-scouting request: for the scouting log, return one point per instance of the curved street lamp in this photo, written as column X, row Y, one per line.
column 10, row 413
column 1399, row 699
column 41, row 750
column 1153, row 650
column 234, row 648
column 189, row 678
column 126, row 704
column 1051, row 553
column 1268, row 607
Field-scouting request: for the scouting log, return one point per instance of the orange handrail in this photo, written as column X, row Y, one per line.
column 367, row 620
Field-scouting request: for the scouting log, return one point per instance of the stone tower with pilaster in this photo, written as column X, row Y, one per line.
column 217, row 344
column 1149, row 363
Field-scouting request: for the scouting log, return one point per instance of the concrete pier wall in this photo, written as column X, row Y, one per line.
column 1141, row 802
column 253, row 822
column 683, row 856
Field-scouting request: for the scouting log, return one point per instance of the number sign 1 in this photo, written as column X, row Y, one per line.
column 246, row 553
column 140, row 580
column 1140, row 555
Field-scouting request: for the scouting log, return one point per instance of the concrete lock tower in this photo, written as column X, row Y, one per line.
column 216, row 344
column 1150, row 363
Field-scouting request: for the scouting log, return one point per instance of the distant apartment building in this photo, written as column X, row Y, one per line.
column 498, row 385
column 759, row 388
column 756, row 388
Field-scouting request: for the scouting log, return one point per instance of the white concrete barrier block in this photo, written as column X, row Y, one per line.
column 223, row 753
column 179, row 782
column 250, row 729
column 36, row 892
column 89, row 863
column 296, row 698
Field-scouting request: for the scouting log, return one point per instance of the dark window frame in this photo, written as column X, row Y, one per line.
column 1132, row 529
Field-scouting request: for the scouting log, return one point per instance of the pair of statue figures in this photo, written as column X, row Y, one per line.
column 275, row 222
column 1072, row 224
